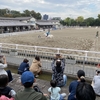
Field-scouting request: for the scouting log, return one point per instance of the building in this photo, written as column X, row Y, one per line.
column 56, row 18
column 44, row 24
column 45, row 17
column 17, row 24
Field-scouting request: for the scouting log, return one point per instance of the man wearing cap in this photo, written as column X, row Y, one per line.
column 27, row 80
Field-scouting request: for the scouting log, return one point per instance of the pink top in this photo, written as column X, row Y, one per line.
column 3, row 97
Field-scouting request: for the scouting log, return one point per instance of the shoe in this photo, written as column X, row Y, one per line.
column 36, row 76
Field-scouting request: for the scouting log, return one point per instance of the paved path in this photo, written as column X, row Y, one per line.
column 44, row 85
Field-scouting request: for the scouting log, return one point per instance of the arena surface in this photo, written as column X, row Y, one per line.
column 70, row 38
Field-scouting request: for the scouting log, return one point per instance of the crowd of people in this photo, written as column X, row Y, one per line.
column 78, row 89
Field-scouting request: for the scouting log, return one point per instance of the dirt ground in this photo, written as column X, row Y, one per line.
column 70, row 38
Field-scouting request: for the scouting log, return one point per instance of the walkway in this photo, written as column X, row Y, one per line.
column 44, row 85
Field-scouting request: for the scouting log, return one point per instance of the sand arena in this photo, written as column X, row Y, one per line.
column 69, row 38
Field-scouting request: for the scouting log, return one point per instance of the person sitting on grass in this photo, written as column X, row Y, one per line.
column 58, row 71
column 24, row 66
column 36, row 66
column 27, row 80
column 54, row 91
column 4, row 89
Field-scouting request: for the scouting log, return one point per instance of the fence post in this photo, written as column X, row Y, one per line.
column 0, row 47
column 58, row 50
column 35, row 50
column 86, row 55
column 84, row 62
column 16, row 46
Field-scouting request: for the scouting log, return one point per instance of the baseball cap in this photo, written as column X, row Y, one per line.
column 27, row 76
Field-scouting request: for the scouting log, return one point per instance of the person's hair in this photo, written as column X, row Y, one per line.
column 28, row 84
column 81, row 75
column 98, row 72
column 37, row 58
column 84, row 91
column 53, row 83
column 58, row 66
column 3, row 80
column 25, row 60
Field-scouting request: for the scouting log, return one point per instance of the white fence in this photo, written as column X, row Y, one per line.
column 18, row 33
column 75, row 59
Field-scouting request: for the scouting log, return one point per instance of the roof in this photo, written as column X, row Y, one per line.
column 12, row 23
column 16, row 18
column 44, row 23
column 48, row 21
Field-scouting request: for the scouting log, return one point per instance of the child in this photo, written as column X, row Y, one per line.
column 55, row 91
column 4, row 89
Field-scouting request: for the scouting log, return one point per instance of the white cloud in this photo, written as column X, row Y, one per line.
column 60, row 8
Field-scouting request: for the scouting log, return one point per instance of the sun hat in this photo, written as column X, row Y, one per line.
column 27, row 76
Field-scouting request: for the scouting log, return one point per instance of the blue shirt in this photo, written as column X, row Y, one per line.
column 23, row 67
column 72, row 90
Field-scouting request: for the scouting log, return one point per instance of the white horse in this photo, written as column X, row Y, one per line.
column 49, row 36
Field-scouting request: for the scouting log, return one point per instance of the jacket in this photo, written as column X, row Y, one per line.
column 29, row 94
column 35, row 66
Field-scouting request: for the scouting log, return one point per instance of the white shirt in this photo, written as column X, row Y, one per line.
column 2, row 71
column 54, row 93
column 96, row 85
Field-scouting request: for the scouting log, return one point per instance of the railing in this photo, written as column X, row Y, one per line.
column 18, row 33
column 75, row 59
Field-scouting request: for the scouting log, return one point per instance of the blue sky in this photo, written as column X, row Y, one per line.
column 56, row 8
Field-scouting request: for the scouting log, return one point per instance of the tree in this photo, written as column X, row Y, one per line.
column 68, row 21
column 89, row 21
column 80, row 20
column 15, row 13
column 26, row 13
column 38, row 16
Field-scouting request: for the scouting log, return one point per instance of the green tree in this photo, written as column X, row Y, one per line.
column 38, row 16
column 80, row 20
column 89, row 21
column 26, row 13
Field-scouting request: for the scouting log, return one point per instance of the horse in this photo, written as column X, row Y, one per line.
column 49, row 36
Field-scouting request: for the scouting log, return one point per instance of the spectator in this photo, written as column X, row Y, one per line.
column 36, row 66
column 3, row 97
column 24, row 66
column 58, row 71
column 27, row 80
column 3, row 64
column 4, row 89
column 96, row 83
column 55, row 91
column 73, row 85
column 85, row 91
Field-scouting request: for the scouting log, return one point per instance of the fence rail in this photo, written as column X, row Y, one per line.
column 77, row 59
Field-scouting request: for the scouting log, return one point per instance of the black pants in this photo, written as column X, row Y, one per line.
column 9, row 75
